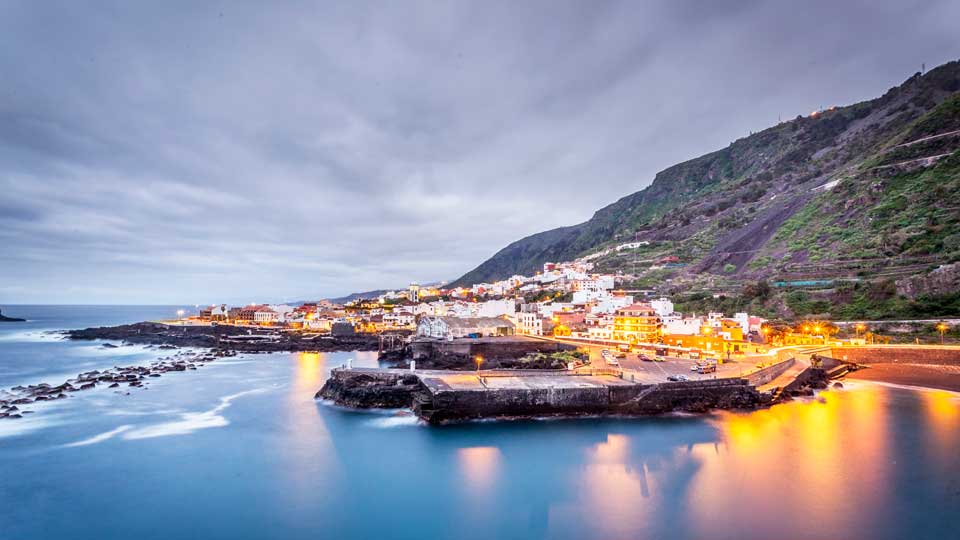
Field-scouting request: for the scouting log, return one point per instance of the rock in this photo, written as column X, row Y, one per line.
column 88, row 386
column 114, row 385
column 109, row 346
column 838, row 384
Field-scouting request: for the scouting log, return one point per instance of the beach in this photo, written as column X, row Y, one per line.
column 941, row 377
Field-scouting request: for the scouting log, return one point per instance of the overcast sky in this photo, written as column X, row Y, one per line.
column 173, row 152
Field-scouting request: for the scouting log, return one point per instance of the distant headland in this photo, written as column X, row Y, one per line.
column 4, row 318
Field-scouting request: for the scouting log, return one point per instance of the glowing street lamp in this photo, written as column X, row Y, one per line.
column 179, row 314
column 479, row 360
column 860, row 328
column 942, row 328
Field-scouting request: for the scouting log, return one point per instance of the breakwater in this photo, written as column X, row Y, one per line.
column 442, row 396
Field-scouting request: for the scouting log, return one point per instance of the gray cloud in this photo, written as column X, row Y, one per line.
column 187, row 152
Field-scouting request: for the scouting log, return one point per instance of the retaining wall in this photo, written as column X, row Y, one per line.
column 898, row 354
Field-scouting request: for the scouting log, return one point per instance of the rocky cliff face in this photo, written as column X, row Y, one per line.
column 793, row 196
column 943, row 280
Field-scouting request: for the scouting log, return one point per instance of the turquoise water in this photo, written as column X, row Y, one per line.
column 239, row 449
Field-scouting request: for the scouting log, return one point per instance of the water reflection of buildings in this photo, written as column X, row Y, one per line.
column 794, row 461
column 480, row 466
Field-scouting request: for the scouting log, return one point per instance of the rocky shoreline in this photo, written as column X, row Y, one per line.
column 220, row 341
column 13, row 400
column 227, row 337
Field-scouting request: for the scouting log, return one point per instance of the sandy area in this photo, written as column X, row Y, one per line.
column 925, row 375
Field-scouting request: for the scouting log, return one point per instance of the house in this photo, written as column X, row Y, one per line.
column 637, row 323
column 265, row 315
column 529, row 323
column 459, row 327
column 214, row 313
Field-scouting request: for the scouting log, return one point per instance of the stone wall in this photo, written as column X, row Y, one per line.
column 912, row 354
column 637, row 399
column 769, row 373
column 488, row 348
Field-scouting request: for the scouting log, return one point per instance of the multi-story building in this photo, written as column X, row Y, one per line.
column 637, row 323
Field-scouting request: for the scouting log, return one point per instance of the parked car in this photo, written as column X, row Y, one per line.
column 659, row 359
column 707, row 368
column 620, row 354
column 678, row 378
column 644, row 358
column 695, row 367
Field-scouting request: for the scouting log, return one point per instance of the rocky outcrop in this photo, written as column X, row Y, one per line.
column 370, row 390
column 235, row 338
column 131, row 376
column 942, row 280
column 4, row 318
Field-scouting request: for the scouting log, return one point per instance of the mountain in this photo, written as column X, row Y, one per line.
column 870, row 187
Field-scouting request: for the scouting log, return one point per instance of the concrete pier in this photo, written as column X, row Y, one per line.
column 449, row 396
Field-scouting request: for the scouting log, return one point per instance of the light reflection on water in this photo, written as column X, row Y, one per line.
column 865, row 462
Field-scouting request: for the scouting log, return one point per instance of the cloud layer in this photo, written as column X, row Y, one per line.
column 179, row 152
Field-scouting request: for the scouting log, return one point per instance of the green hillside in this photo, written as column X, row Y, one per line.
column 869, row 187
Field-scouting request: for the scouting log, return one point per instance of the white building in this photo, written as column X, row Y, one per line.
column 676, row 324
column 398, row 319
column 456, row 327
column 265, row 315
column 496, row 308
column 662, row 306
column 529, row 323
column 282, row 310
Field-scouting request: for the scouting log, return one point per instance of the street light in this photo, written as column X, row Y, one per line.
column 942, row 328
column 179, row 314
column 479, row 360
column 860, row 328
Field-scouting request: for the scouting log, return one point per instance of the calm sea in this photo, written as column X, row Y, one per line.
column 239, row 449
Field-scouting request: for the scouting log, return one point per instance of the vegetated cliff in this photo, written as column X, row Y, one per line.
column 824, row 195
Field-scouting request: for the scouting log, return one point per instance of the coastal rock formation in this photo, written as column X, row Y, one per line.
column 371, row 391
column 4, row 318
column 221, row 336
column 131, row 375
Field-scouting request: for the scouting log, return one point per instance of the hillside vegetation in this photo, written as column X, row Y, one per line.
column 869, row 191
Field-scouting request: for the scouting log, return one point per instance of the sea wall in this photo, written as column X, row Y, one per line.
column 700, row 396
column 507, row 347
column 912, row 354
column 769, row 373
column 366, row 388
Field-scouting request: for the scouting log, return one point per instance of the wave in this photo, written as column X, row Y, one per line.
column 28, row 424
column 189, row 422
column 99, row 438
column 400, row 420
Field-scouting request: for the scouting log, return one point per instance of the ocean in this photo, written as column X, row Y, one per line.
column 240, row 449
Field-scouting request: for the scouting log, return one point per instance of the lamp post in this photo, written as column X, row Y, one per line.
column 942, row 328
column 479, row 360
column 180, row 315
column 859, row 328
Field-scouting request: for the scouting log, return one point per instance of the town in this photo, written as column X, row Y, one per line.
column 563, row 302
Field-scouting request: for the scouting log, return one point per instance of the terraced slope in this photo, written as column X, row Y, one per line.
column 802, row 198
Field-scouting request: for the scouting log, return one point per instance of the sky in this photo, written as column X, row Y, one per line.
column 199, row 152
